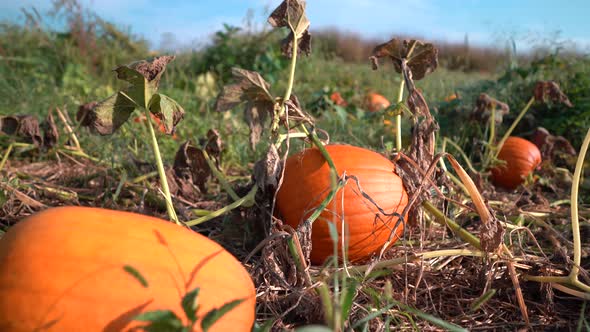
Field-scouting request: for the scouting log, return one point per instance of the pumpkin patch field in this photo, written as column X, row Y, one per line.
column 272, row 181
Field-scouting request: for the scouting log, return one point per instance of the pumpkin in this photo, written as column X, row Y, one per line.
column 376, row 102
column 161, row 128
column 521, row 157
column 337, row 99
column 67, row 269
column 306, row 184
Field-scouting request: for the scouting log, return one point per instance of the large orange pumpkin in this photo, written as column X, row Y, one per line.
column 306, row 184
column 521, row 157
column 376, row 102
column 63, row 270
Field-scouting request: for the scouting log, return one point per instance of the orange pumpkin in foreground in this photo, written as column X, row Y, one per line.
column 376, row 102
column 306, row 183
column 63, row 270
column 521, row 157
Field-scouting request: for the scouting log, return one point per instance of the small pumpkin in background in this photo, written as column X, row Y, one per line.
column 521, row 157
column 160, row 126
column 71, row 269
column 375, row 102
column 337, row 99
column 306, row 183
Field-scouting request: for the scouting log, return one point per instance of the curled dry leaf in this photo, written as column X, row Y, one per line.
column 190, row 165
column 422, row 58
column 22, row 126
column 50, row 132
column 152, row 70
column 213, row 143
column 484, row 106
column 8, row 125
column 249, row 88
column 267, row 171
column 291, row 14
column 549, row 91
column 554, row 148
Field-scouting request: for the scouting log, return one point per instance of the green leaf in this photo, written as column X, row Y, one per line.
column 189, row 304
column 263, row 328
column 157, row 316
column 167, row 109
column 214, row 315
column 348, row 296
column 135, row 273
column 139, row 90
column 108, row 115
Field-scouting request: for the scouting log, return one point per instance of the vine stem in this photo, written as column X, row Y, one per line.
column 574, row 208
column 398, row 118
column 6, row 154
column 222, row 180
column 161, row 171
column 514, row 123
column 292, row 69
column 247, row 200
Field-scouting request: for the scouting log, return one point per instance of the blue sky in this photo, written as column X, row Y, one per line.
column 486, row 22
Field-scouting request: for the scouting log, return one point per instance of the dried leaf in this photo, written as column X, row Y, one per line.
column 303, row 45
column 484, row 106
column 554, row 148
column 108, row 115
column 51, row 134
column 268, row 170
column 422, row 58
column 213, row 144
column 252, row 89
column 549, row 91
column 417, row 103
column 152, row 70
column 190, row 164
column 23, row 126
column 83, row 113
column 167, row 110
column 255, row 114
column 249, row 86
column 8, row 125
column 291, row 14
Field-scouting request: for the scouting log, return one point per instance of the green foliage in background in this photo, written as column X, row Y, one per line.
column 44, row 68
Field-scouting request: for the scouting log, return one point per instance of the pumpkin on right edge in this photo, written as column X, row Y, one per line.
column 521, row 157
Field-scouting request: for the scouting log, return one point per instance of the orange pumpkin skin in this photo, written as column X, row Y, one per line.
column 337, row 99
column 376, row 102
column 521, row 157
column 63, row 269
column 306, row 184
